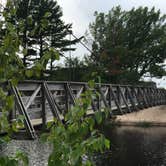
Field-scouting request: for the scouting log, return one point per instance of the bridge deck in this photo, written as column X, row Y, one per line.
column 40, row 101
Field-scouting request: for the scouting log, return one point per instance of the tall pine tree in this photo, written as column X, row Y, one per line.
column 43, row 32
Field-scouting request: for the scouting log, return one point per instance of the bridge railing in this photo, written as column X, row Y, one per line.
column 41, row 101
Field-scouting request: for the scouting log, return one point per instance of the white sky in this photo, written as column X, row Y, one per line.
column 80, row 14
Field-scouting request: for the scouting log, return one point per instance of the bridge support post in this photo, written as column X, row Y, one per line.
column 115, row 99
column 124, row 99
column 22, row 110
column 131, row 99
column 44, row 119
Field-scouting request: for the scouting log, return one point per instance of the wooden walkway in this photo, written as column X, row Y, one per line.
column 41, row 101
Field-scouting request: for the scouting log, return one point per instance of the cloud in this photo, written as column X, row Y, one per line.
column 80, row 12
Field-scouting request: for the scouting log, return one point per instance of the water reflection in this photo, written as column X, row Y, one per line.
column 135, row 146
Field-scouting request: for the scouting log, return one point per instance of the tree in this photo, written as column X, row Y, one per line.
column 77, row 70
column 11, row 68
column 42, row 31
column 78, row 126
column 128, row 44
column 74, row 66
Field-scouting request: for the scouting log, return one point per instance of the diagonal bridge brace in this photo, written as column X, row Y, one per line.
column 23, row 111
column 53, row 105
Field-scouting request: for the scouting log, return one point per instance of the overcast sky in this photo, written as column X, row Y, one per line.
column 80, row 14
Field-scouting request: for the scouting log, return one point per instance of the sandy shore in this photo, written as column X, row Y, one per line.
column 154, row 115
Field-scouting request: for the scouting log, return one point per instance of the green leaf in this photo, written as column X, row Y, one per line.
column 91, row 83
column 23, row 157
column 57, row 57
column 47, row 14
column 25, row 52
column 9, row 102
column 29, row 73
column 44, row 23
column 29, row 20
column 14, row 81
column 14, row 126
column 44, row 137
column 98, row 117
column 107, row 143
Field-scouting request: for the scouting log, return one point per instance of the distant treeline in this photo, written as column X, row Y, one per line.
column 126, row 45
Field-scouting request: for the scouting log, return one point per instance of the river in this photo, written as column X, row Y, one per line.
column 135, row 146
column 130, row 146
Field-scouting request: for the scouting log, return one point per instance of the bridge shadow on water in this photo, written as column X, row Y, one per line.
column 135, row 146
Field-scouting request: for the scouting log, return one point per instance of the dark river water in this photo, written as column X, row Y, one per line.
column 135, row 146
column 130, row 146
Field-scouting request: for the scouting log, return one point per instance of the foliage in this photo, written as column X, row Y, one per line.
column 79, row 70
column 41, row 30
column 11, row 68
column 19, row 159
column 76, row 141
column 74, row 67
column 128, row 44
column 78, row 136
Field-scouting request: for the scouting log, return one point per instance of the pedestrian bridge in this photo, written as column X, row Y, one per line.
column 42, row 101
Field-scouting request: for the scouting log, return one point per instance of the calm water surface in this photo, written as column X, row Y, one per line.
column 135, row 146
column 130, row 146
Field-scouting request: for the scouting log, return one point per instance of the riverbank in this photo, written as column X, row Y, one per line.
column 154, row 116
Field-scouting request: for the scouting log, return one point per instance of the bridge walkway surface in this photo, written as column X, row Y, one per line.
column 42, row 101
